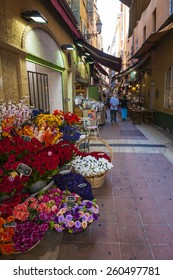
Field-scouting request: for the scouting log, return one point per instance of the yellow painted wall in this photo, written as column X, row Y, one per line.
column 13, row 54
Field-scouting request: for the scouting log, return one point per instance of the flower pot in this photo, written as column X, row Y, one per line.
column 37, row 186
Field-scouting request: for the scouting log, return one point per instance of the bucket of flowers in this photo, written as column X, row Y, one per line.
column 75, row 215
column 93, row 165
column 23, row 230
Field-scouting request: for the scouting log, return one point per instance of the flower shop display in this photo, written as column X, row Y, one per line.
column 75, row 183
column 34, row 148
column 76, row 217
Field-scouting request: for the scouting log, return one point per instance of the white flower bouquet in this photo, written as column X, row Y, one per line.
column 90, row 166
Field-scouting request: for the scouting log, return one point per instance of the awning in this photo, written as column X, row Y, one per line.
column 126, row 2
column 151, row 41
column 100, row 68
column 63, row 9
column 135, row 66
column 105, row 59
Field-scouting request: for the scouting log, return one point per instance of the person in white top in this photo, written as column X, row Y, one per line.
column 114, row 102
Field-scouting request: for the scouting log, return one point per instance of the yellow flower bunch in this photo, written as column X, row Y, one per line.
column 43, row 120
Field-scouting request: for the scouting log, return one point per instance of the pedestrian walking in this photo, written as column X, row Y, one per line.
column 124, row 107
column 114, row 102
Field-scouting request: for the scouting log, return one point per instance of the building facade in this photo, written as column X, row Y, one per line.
column 150, row 56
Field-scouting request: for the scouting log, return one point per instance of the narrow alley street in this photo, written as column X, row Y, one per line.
column 136, row 202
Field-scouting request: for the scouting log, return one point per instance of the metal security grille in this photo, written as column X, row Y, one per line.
column 39, row 91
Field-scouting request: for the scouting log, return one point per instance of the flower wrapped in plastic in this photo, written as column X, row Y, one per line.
column 75, row 217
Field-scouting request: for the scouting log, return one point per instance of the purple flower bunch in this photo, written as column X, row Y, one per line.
column 76, row 217
column 74, row 183
column 27, row 235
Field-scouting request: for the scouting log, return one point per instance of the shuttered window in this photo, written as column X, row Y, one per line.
column 39, row 91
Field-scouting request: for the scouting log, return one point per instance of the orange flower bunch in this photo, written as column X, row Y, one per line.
column 6, row 236
column 50, row 138
column 7, row 126
column 26, row 130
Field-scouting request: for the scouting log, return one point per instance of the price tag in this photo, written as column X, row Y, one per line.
column 70, row 201
column 26, row 138
column 82, row 185
column 10, row 224
column 24, row 169
column 71, row 198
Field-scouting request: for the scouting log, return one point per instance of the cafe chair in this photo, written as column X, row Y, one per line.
column 93, row 129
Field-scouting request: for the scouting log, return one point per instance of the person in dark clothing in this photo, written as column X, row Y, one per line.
column 124, row 107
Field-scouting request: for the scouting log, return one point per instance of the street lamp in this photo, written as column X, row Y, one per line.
column 98, row 27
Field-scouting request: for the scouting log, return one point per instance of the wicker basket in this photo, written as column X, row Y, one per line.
column 97, row 180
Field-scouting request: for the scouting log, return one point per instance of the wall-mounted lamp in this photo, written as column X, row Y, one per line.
column 87, row 54
column 77, row 42
column 98, row 27
column 68, row 47
column 35, row 16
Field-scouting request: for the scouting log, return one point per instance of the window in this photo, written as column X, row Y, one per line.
column 168, row 100
column 38, row 90
column 144, row 33
column 154, row 21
